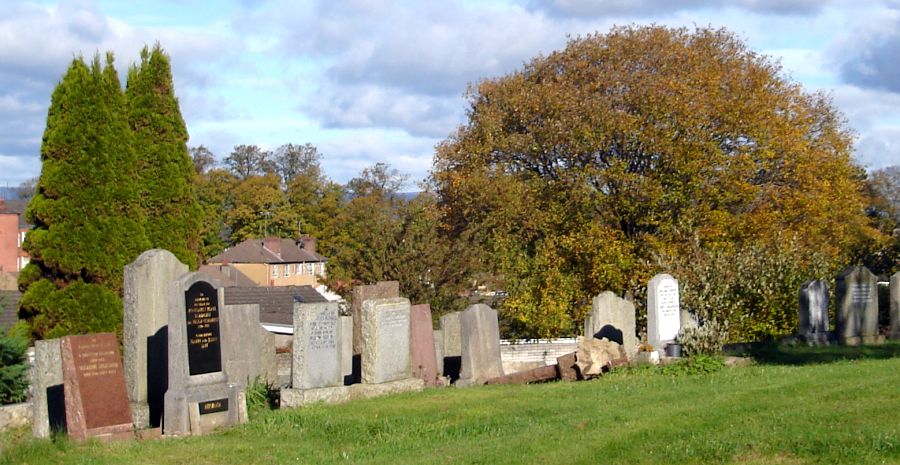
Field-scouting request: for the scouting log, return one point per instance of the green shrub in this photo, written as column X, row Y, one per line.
column 261, row 395
column 697, row 365
column 705, row 339
column 13, row 368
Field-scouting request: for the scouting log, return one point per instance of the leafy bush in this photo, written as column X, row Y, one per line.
column 261, row 396
column 13, row 382
column 705, row 339
column 697, row 365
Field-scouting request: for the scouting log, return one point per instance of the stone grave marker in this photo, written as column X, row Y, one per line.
column 146, row 298
column 663, row 310
column 439, row 350
column 451, row 346
column 248, row 349
column 201, row 397
column 480, row 345
column 94, row 384
column 613, row 318
column 48, row 404
column 895, row 306
column 384, row 340
column 360, row 294
column 317, row 354
column 857, row 306
column 346, row 322
column 814, row 312
column 423, row 358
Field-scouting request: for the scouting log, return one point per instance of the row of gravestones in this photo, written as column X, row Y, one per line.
column 856, row 299
column 187, row 360
column 387, row 345
column 857, row 312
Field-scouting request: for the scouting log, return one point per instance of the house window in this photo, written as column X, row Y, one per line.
column 298, row 270
column 274, row 271
column 309, row 268
column 321, row 269
column 287, row 270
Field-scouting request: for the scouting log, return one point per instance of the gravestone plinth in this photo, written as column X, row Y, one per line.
column 663, row 311
column 201, row 396
column 613, row 318
column 146, row 298
column 422, row 351
column 384, row 340
column 480, row 346
column 894, row 331
column 48, row 404
column 94, row 384
column 317, row 354
column 857, row 306
column 451, row 345
column 814, row 312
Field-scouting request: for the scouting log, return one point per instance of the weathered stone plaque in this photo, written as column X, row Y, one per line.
column 94, row 383
column 613, row 318
column 204, row 341
column 422, row 347
column 384, row 340
column 317, row 347
column 814, row 312
column 663, row 310
column 480, row 344
column 857, row 306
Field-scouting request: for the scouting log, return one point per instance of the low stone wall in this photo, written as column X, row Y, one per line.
column 525, row 355
column 15, row 415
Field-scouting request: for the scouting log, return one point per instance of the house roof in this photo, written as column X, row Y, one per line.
column 276, row 304
column 227, row 276
column 9, row 308
column 256, row 251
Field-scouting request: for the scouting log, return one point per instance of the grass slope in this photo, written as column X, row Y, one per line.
column 844, row 411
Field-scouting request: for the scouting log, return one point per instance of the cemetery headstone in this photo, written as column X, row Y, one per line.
column 384, row 340
column 317, row 346
column 895, row 306
column 347, row 348
column 48, row 404
column 613, row 318
column 857, row 306
column 814, row 312
column 480, row 345
column 439, row 350
column 94, row 384
column 200, row 397
column 422, row 351
column 146, row 298
column 360, row 294
column 663, row 310
column 451, row 345
column 248, row 349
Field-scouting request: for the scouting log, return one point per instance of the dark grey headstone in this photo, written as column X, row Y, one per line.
column 857, row 306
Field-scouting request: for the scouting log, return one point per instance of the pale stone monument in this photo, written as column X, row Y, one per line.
column 663, row 311
column 146, row 298
column 248, row 349
column 48, row 403
column 857, row 306
column 480, row 345
column 384, row 340
column 814, row 312
column 317, row 354
column 613, row 318
column 451, row 348
column 201, row 396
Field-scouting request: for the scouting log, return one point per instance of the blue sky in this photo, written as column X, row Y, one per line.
column 370, row 81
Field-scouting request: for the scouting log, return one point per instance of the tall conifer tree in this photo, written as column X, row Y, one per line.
column 164, row 165
column 87, row 221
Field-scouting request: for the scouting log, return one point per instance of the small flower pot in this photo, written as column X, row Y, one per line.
column 673, row 350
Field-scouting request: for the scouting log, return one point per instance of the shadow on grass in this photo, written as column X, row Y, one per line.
column 772, row 353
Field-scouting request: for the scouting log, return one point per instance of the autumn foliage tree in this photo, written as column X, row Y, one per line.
column 591, row 167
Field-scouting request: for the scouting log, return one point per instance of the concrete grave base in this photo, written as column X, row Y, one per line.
column 340, row 394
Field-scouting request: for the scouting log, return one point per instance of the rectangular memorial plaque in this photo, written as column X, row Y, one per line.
column 94, row 384
column 213, row 406
column 204, row 345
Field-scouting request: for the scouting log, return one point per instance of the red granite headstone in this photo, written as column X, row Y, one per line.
column 422, row 356
column 94, row 385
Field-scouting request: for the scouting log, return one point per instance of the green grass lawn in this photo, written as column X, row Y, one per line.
column 797, row 406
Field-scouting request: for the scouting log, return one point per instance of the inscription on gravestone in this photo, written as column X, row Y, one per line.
column 668, row 307
column 860, row 293
column 204, row 345
column 213, row 406
column 322, row 331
